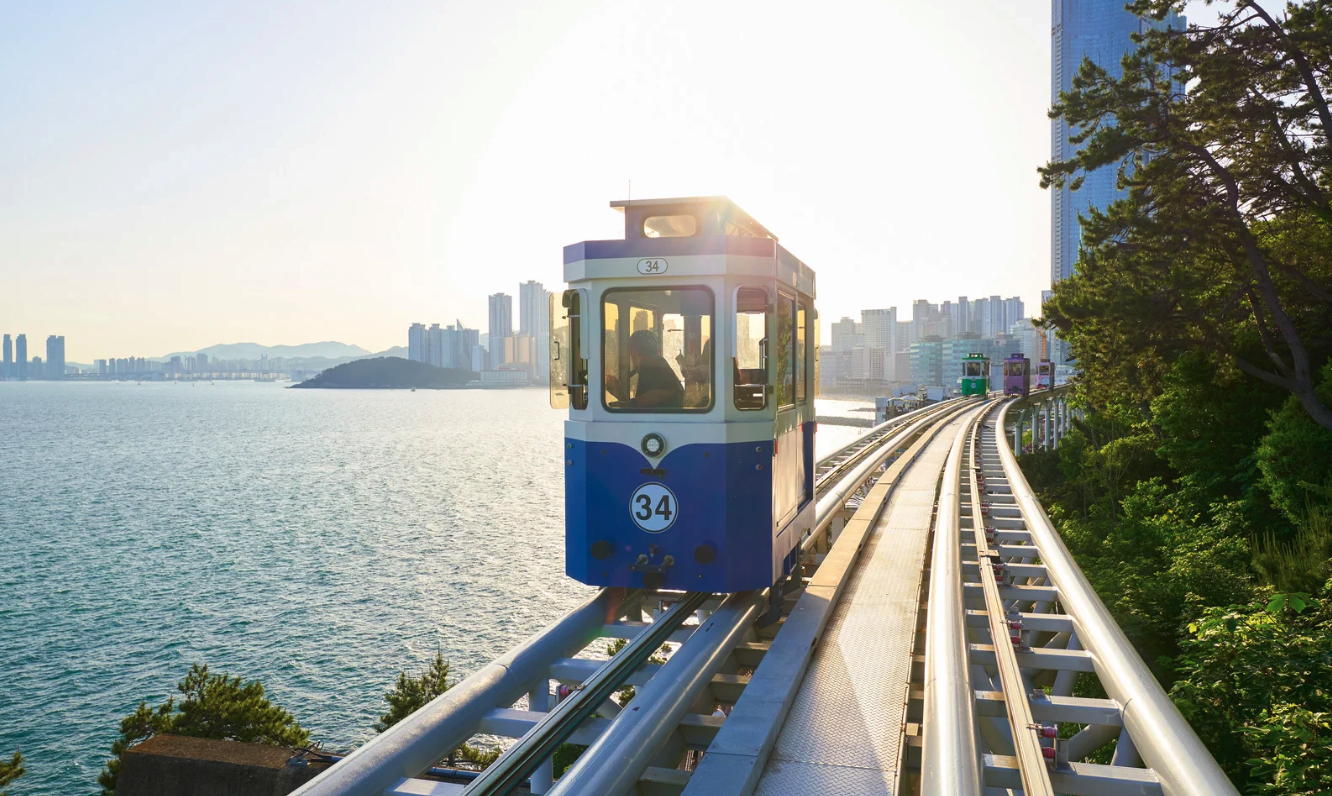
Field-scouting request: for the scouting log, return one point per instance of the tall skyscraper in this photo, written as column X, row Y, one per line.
column 1014, row 311
column 501, row 326
column 962, row 316
column 880, row 328
column 846, row 335
column 7, row 364
column 533, row 308
column 435, row 346
column 416, row 342
column 21, row 357
column 55, row 357
column 1100, row 30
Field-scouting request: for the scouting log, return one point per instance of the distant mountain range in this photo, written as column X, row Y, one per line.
column 327, row 350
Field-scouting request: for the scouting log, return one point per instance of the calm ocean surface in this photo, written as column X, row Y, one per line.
column 318, row 541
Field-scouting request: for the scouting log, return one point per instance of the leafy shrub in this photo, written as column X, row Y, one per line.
column 1296, row 455
column 1255, row 681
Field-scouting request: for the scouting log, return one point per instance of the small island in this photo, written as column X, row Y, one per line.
column 388, row 373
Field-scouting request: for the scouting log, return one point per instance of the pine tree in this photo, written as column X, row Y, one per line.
column 211, row 706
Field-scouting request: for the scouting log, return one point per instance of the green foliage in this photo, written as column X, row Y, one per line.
column 566, row 755
column 613, row 648
column 1303, row 564
column 1295, row 457
column 413, row 692
column 1256, row 683
column 11, row 771
column 211, row 706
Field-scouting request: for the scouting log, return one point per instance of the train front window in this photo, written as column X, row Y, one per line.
column 657, row 350
column 972, row 369
column 670, row 226
column 750, row 369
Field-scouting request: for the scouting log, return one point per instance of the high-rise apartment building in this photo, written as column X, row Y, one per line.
column 879, row 328
column 501, row 326
column 962, row 316
column 846, row 335
column 417, row 344
column 1014, row 311
column 55, row 357
column 1101, row 30
column 533, row 308
column 7, row 364
column 21, row 357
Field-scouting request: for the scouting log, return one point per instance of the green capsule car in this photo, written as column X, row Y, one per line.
column 975, row 374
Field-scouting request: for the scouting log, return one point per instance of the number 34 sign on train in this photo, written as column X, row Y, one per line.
column 654, row 507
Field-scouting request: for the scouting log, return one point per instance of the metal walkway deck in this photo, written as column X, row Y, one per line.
column 844, row 731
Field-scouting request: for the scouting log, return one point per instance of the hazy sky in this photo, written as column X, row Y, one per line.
column 177, row 175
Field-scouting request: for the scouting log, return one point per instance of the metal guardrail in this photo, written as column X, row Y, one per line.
column 905, row 417
column 413, row 745
column 522, row 758
column 1164, row 740
column 834, row 497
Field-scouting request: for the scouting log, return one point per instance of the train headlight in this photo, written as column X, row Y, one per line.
column 653, row 445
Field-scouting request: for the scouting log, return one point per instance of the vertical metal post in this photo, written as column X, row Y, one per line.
column 1045, row 407
column 1017, row 433
column 539, row 699
column 1058, row 430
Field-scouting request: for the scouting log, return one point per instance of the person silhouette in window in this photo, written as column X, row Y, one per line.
column 658, row 386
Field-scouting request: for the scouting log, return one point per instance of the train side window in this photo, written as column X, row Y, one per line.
column 669, row 226
column 751, row 349
column 661, row 359
column 801, row 317
column 568, row 365
column 785, row 350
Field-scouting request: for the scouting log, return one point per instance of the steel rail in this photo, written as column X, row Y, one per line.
column 1025, row 731
column 521, row 759
column 417, row 742
column 615, row 762
column 871, row 438
column 1165, row 741
column 950, row 757
column 836, row 495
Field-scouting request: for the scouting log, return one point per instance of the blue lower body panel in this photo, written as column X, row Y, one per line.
column 719, row 539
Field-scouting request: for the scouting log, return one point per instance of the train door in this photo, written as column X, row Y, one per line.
column 788, row 472
column 568, row 359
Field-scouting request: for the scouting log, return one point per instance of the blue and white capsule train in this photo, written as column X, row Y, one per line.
column 686, row 356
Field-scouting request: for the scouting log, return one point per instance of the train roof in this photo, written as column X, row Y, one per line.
column 736, row 214
column 718, row 227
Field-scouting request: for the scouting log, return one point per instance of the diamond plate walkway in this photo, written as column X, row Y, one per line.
column 844, row 731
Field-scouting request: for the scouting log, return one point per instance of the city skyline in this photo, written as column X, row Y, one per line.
column 293, row 201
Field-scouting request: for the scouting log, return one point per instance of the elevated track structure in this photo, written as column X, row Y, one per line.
column 929, row 643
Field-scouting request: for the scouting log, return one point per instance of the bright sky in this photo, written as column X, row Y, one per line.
column 178, row 175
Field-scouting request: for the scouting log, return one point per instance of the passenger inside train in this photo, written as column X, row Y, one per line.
column 657, row 385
